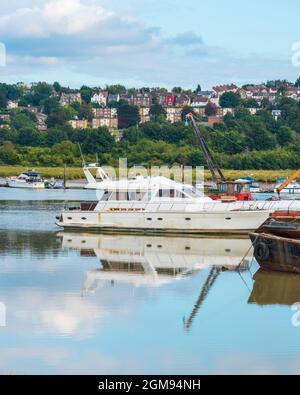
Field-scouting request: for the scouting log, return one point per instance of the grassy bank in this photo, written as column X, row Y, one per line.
column 47, row 172
column 77, row 173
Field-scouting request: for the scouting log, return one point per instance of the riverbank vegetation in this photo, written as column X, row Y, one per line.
column 76, row 173
column 240, row 142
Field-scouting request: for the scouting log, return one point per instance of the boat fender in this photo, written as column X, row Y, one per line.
column 261, row 251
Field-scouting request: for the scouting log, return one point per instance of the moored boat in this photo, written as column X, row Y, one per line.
column 276, row 253
column 158, row 204
column 30, row 179
column 291, row 188
column 283, row 224
column 253, row 184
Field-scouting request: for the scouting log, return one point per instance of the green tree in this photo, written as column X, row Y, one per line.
column 51, row 105
column 177, row 89
column 250, row 103
column 66, row 150
column 29, row 137
column 116, row 89
column 40, row 92
column 98, row 141
column 128, row 116
column 56, row 119
column 198, row 89
column 230, row 100
column 86, row 93
column 86, row 112
column 157, row 110
column 8, row 154
column 57, row 87
column 55, row 136
column 70, row 112
column 285, row 136
column 133, row 134
column 3, row 100
column 23, row 120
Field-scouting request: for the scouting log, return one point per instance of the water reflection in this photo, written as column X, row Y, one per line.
column 275, row 288
column 151, row 260
column 96, row 304
column 37, row 243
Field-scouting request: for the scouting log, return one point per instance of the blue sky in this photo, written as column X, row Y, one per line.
column 149, row 42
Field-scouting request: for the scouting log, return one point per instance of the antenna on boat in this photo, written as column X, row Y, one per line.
column 80, row 150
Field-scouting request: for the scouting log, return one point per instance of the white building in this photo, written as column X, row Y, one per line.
column 100, row 98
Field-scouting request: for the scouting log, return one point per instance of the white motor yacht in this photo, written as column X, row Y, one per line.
column 158, row 204
column 31, row 180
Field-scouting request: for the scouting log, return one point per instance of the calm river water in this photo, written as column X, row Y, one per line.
column 99, row 304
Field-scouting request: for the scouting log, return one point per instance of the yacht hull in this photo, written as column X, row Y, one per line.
column 165, row 222
column 17, row 184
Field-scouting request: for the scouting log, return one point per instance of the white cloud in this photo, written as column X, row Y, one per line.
column 97, row 46
column 59, row 17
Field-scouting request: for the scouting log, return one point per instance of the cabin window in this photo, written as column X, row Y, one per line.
column 166, row 193
column 136, row 195
column 181, row 195
column 223, row 187
column 193, row 192
column 114, row 196
column 122, row 195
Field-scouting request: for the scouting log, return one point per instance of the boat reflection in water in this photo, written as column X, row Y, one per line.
column 153, row 260
column 275, row 288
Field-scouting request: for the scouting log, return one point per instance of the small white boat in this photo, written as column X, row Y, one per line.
column 30, row 180
column 292, row 188
column 158, row 204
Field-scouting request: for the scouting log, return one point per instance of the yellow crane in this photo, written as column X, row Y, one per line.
column 288, row 181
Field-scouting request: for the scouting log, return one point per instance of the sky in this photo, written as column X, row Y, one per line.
column 149, row 42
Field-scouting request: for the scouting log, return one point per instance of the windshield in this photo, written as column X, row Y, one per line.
column 193, row 192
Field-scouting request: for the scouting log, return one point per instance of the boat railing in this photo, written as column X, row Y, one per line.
column 205, row 206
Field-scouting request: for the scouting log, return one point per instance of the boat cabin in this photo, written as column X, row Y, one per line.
column 233, row 190
column 160, row 193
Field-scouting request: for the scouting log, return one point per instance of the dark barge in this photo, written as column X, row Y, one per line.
column 277, row 242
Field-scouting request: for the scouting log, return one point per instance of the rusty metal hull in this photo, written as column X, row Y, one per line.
column 276, row 253
column 282, row 226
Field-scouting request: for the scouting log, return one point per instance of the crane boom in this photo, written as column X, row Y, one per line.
column 213, row 166
column 288, row 180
